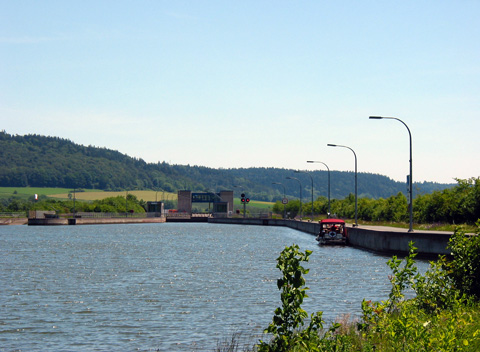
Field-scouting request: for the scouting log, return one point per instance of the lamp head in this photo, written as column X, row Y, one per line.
column 376, row 117
column 331, row 145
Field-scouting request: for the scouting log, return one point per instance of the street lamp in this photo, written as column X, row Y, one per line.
column 293, row 178
column 344, row 146
column 410, row 178
column 283, row 200
column 298, row 171
column 320, row 162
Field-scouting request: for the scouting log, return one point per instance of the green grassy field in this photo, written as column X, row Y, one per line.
column 29, row 192
column 86, row 194
column 265, row 206
column 148, row 196
column 95, row 194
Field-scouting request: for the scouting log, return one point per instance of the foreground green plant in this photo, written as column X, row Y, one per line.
column 290, row 316
column 445, row 313
column 464, row 269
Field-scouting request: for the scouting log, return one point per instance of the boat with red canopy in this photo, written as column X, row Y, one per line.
column 332, row 231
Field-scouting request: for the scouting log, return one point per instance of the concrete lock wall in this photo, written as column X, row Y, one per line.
column 376, row 239
column 393, row 242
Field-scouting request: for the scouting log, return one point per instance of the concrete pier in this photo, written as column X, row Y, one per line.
column 379, row 239
column 390, row 240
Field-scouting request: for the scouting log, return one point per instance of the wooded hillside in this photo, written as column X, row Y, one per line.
column 39, row 161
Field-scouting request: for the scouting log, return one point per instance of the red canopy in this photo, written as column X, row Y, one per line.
column 332, row 221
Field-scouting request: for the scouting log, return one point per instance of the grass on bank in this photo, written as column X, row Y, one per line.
column 469, row 228
column 422, row 227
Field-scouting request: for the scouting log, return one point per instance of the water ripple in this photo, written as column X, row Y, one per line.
column 175, row 287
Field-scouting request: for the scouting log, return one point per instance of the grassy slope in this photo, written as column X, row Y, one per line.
column 27, row 193
column 148, row 196
column 30, row 191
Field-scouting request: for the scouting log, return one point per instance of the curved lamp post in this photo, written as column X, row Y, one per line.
column 410, row 179
column 311, row 178
column 321, row 162
column 293, row 178
column 281, row 184
column 344, row 146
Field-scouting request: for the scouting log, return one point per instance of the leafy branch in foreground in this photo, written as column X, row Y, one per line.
column 443, row 316
column 290, row 317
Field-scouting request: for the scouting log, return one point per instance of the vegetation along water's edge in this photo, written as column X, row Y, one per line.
column 444, row 314
column 440, row 210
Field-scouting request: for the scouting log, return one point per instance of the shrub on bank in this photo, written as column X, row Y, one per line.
column 443, row 316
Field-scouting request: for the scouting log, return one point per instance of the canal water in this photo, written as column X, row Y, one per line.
column 164, row 287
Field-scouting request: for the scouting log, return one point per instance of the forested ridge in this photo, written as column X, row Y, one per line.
column 40, row 161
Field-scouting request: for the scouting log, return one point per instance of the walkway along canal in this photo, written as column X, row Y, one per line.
column 379, row 239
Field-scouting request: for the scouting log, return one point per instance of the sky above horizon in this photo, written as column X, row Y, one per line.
column 251, row 84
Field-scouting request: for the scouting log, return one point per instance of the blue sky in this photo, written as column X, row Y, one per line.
column 253, row 83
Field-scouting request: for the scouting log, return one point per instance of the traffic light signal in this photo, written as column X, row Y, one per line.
column 244, row 198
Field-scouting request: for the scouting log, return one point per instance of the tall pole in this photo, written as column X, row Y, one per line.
column 410, row 178
column 300, row 184
column 241, row 191
column 284, row 210
column 328, row 169
column 355, row 155
column 311, row 178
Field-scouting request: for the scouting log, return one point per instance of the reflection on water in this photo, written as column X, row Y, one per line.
column 167, row 287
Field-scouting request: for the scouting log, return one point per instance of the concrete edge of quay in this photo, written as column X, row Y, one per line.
column 379, row 240
column 13, row 221
column 93, row 221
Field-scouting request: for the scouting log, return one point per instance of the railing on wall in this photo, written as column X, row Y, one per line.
column 14, row 214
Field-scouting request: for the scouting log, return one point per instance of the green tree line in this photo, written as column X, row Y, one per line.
column 108, row 205
column 456, row 205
